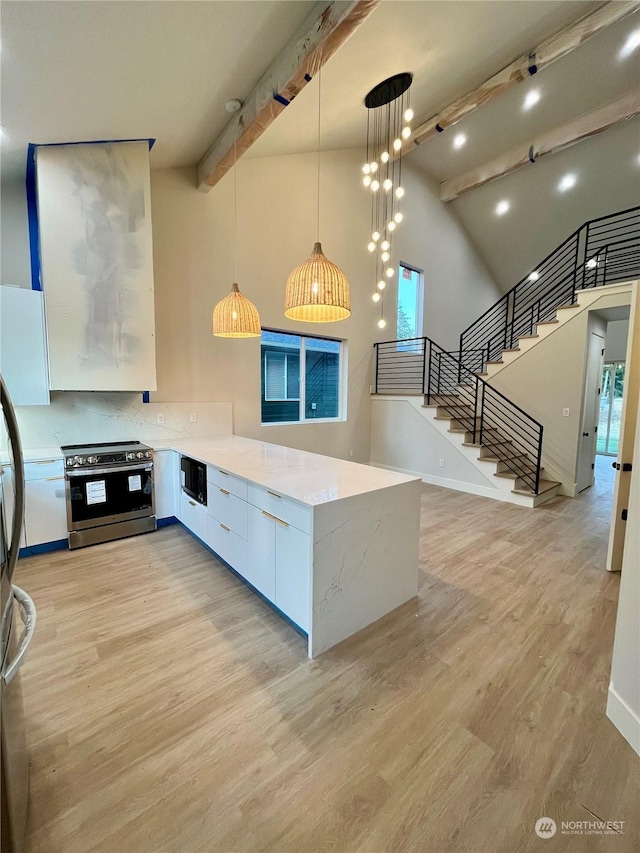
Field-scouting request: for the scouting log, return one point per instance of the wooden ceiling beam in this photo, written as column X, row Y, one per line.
column 522, row 69
column 324, row 31
column 583, row 127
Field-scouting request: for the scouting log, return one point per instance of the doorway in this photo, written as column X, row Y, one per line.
column 611, row 395
column 587, row 447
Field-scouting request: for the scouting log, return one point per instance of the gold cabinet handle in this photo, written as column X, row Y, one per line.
column 220, row 471
column 192, row 503
column 224, row 491
column 224, row 527
column 275, row 518
column 43, row 462
column 273, row 494
column 61, row 477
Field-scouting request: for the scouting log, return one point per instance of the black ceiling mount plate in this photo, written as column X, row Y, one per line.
column 388, row 90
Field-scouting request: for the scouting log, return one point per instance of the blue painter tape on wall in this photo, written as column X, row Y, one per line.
column 32, row 204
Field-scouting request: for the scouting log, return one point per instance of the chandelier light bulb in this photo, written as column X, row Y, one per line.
column 391, row 225
column 376, row 297
column 366, row 180
column 385, row 257
column 399, row 192
column 375, row 236
column 375, row 186
column 382, row 284
column 389, row 272
column 382, row 323
column 385, row 156
column 371, row 246
column 366, row 169
column 398, row 217
column 406, row 132
column 408, row 114
column 385, row 245
column 374, row 166
column 397, row 144
column 387, row 184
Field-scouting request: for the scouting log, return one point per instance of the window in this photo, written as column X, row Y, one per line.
column 410, row 298
column 301, row 378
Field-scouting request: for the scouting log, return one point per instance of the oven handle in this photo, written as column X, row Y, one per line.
column 120, row 469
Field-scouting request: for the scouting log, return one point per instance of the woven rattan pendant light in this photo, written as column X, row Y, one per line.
column 235, row 316
column 317, row 291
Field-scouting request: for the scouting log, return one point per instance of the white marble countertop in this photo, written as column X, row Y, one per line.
column 309, row 478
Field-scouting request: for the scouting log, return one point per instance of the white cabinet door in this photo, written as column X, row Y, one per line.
column 8, row 502
column 23, row 347
column 293, row 571
column 45, row 510
column 194, row 516
column 261, row 565
column 165, row 475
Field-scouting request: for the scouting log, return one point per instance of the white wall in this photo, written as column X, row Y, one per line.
column 551, row 377
column 193, row 262
column 616, row 345
column 194, row 268
column 15, row 263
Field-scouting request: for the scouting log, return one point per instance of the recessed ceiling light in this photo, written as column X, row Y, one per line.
column 632, row 43
column 459, row 140
column 534, row 276
column 531, row 99
column 567, row 182
column 502, row 207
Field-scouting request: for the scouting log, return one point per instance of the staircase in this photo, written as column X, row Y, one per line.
column 458, row 395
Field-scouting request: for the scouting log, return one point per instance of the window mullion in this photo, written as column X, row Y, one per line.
column 303, row 384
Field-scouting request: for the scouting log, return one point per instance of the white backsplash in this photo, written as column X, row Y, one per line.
column 82, row 417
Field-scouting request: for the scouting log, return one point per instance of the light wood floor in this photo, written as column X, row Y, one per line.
column 169, row 709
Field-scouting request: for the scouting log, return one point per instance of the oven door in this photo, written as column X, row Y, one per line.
column 109, row 495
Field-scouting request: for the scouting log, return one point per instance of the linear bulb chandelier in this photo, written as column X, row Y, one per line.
column 388, row 125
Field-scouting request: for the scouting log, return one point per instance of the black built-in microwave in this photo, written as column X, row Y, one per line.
column 193, row 478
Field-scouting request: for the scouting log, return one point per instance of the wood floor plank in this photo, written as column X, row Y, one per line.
column 170, row 710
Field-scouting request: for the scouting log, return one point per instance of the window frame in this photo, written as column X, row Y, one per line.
column 419, row 302
column 342, row 383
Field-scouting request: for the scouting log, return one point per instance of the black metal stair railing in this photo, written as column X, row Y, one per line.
column 602, row 251
column 489, row 419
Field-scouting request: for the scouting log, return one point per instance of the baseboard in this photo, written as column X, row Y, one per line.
column 456, row 485
column 43, row 548
column 624, row 719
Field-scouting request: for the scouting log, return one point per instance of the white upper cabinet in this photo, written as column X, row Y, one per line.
column 94, row 219
column 23, row 352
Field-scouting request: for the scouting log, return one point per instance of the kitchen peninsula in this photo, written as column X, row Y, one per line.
column 332, row 544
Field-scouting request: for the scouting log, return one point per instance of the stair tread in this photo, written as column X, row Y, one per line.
column 527, row 337
column 544, row 486
column 496, row 361
column 511, row 349
column 568, row 305
column 546, row 322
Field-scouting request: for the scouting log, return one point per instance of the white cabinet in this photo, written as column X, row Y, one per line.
column 193, row 515
column 228, row 509
column 23, row 348
column 261, row 563
column 227, row 545
column 279, row 563
column 293, row 574
column 165, row 475
column 45, row 502
column 8, row 502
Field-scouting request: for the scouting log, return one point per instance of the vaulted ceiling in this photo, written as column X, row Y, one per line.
column 76, row 70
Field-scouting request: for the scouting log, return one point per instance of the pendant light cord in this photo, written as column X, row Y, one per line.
column 318, row 213
column 235, row 206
